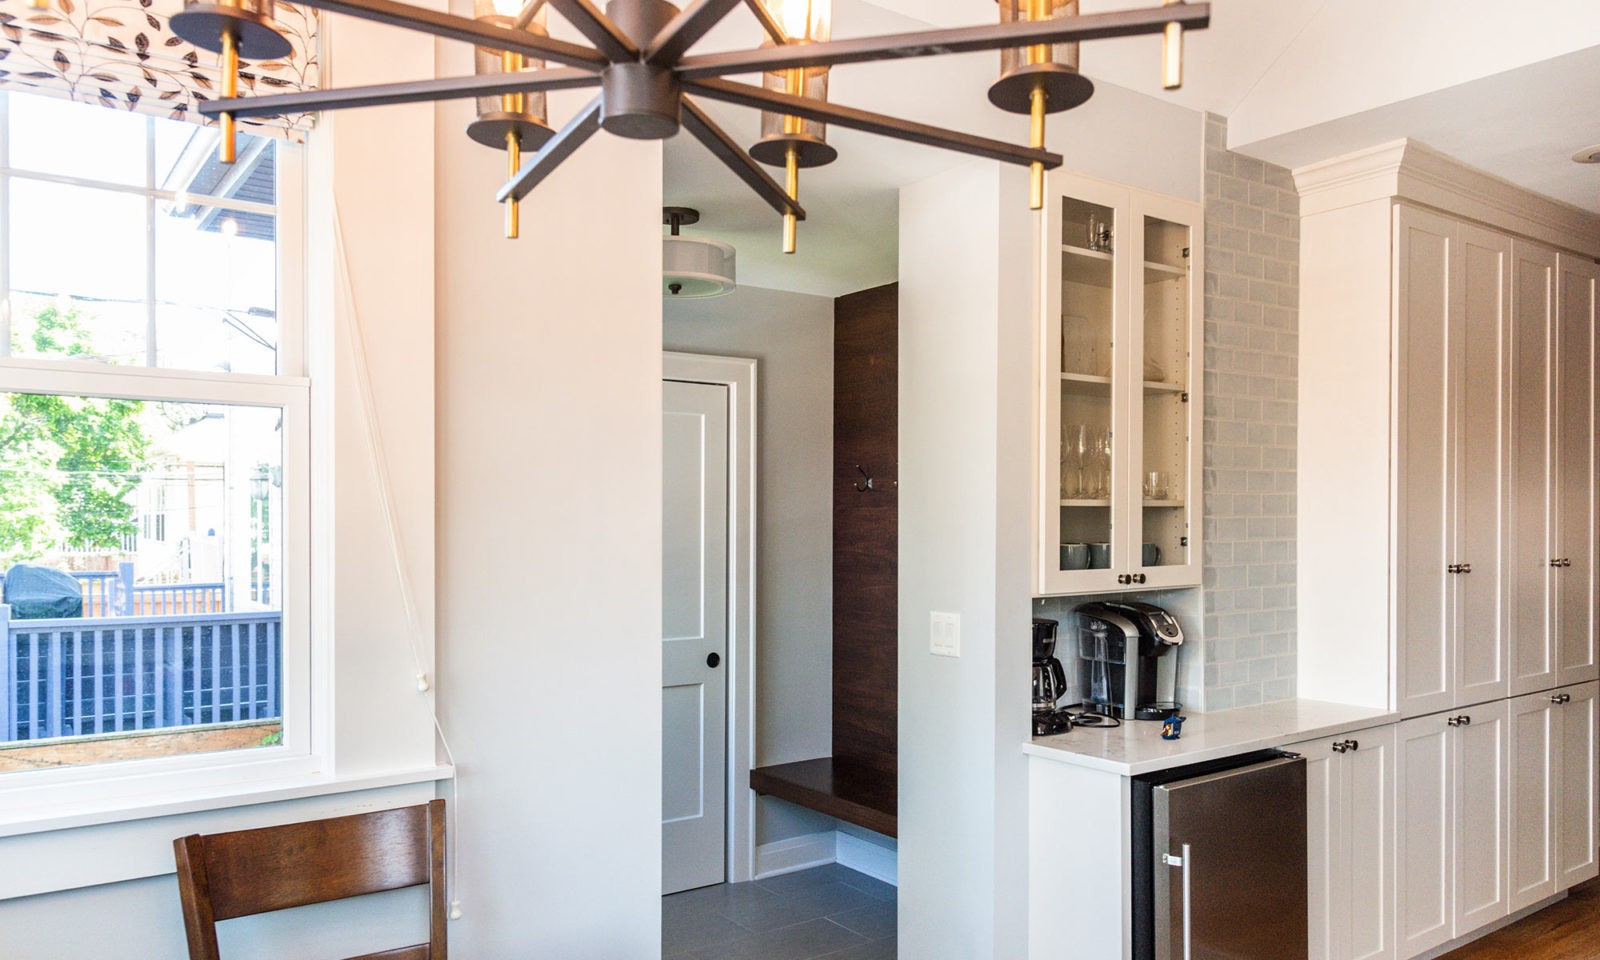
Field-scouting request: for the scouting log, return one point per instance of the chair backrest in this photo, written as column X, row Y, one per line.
column 226, row 875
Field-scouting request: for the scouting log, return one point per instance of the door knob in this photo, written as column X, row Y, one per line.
column 713, row 660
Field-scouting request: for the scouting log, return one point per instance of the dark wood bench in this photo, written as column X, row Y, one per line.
column 853, row 792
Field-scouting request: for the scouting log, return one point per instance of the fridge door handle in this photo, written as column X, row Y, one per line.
column 1182, row 863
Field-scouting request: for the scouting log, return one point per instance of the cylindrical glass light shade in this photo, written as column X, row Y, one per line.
column 803, row 21
column 1012, row 11
column 1052, row 68
column 813, row 85
column 524, row 112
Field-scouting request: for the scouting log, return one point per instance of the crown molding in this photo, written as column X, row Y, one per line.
column 1410, row 171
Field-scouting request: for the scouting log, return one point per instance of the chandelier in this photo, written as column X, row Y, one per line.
column 649, row 84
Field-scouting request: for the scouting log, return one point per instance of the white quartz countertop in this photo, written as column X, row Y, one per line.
column 1136, row 747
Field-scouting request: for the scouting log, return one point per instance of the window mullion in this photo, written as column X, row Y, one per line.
column 5, row 225
column 150, row 353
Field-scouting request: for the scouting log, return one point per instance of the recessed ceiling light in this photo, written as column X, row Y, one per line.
column 1588, row 154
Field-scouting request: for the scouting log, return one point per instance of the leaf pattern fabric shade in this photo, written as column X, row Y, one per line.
column 122, row 54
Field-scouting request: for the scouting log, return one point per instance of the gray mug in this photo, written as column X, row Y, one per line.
column 1151, row 555
column 1099, row 556
column 1074, row 556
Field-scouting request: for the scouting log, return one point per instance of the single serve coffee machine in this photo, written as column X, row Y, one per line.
column 1128, row 659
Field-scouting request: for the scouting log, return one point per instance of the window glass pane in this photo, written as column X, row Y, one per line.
column 186, row 163
column 216, row 289
column 141, row 550
column 78, row 272
column 77, row 140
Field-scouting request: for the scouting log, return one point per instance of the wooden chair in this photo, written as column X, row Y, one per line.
column 228, row 875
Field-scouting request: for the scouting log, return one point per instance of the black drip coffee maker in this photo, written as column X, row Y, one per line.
column 1049, row 680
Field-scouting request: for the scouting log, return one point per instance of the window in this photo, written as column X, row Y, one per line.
column 153, row 444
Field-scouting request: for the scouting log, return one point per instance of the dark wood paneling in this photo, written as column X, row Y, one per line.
column 866, row 529
column 851, row 792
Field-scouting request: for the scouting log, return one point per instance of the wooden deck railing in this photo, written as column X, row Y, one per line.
column 76, row 677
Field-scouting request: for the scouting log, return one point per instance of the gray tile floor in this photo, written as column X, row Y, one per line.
column 829, row 911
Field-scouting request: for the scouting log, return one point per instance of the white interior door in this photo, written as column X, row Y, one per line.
column 694, row 635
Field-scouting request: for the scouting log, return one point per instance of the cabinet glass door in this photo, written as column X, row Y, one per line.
column 1161, row 362
column 1088, row 493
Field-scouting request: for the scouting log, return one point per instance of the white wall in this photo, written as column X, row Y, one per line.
column 549, row 520
column 965, row 467
column 791, row 335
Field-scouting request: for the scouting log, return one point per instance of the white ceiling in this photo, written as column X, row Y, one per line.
column 1508, row 88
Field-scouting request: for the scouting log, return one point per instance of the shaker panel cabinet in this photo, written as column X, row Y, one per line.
column 1573, row 810
column 1119, row 390
column 1574, row 502
column 1453, row 302
column 1452, row 823
column 1552, row 792
column 1350, row 783
column 1532, row 558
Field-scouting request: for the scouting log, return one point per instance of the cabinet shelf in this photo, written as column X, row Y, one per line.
column 1090, row 385
column 1156, row 272
column 1091, row 268
column 1106, row 503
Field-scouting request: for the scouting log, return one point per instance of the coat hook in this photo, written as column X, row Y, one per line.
column 863, row 488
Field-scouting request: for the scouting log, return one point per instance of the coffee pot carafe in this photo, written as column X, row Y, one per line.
column 1049, row 678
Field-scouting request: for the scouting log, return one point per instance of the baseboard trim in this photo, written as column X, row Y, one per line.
column 795, row 853
column 1489, row 928
column 864, row 856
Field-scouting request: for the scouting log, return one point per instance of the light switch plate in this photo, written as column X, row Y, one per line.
column 944, row 634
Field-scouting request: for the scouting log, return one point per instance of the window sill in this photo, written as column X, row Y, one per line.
column 239, row 794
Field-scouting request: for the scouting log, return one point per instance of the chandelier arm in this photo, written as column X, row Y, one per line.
column 415, row 91
column 900, row 46
column 883, row 125
column 529, row 11
column 539, row 166
column 598, row 29
column 724, row 148
column 466, row 29
column 769, row 23
column 677, row 37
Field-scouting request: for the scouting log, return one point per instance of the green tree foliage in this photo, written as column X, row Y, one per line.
column 68, row 465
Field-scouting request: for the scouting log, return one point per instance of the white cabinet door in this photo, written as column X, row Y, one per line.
column 1574, row 437
column 1324, row 833
column 1528, row 549
column 1482, row 894
column 1367, row 800
column 1575, row 797
column 1534, row 756
column 1350, row 782
column 1425, row 286
column 1478, row 331
column 1423, row 816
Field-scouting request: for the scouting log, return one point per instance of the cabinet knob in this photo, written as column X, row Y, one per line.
column 1556, row 698
column 1566, row 698
column 1453, row 568
column 1466, row 568
column 1566, row 561
column 1354, row 744
column 1339, row 747
column 1555, row 562
column 1138, row 578
column 1459, row 721
column 1122, row 578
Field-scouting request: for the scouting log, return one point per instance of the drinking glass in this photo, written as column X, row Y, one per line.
column 1103, row 456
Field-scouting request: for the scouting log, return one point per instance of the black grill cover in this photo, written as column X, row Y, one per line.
column 37, row 593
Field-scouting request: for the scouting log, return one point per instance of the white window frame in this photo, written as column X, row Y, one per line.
column 89, row 792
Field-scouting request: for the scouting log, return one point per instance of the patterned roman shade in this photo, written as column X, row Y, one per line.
column 121, row 54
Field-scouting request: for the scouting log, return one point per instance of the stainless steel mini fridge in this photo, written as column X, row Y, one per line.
column 1223, row 851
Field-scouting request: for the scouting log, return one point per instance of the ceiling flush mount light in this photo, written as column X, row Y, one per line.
column 691, row 268
column 1588, row 154
column 641, row 64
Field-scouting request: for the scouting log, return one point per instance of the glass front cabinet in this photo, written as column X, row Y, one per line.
column 1119, row 390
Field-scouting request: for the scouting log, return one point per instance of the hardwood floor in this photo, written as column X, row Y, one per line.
column 1570, row 930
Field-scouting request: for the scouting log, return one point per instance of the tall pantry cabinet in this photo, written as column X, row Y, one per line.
column 1447, row 533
